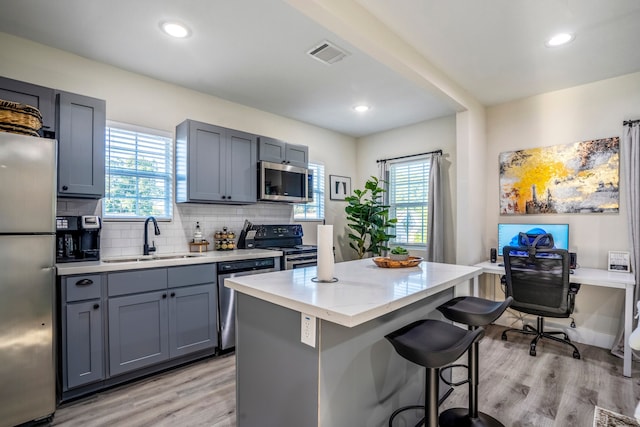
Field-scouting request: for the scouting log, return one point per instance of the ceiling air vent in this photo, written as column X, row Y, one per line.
column 327, row 53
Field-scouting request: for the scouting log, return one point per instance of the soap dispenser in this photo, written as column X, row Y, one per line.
column 197, row 234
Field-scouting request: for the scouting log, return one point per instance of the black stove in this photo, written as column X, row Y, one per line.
column 286, row 238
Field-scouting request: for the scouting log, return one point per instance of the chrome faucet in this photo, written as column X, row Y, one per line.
column 146, row 249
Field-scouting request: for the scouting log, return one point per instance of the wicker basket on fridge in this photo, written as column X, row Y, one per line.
column 19, row 118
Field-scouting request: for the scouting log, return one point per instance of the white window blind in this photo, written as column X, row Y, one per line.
column 315, row 209
column 139, row 174
column 409, row 200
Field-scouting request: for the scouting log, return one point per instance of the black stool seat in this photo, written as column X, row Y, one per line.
column 474, row 311
column 432, row 344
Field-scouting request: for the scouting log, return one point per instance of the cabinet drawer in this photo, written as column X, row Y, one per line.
column 135, row 281
column 80, row 288
column 192, row 275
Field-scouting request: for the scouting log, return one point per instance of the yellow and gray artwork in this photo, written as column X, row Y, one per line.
column 582, row 177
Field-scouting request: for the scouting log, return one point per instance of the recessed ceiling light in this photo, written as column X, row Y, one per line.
column 175, row 29
column 361, row 108
column 559, row 39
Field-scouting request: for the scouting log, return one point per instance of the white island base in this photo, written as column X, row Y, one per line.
column 353, row 376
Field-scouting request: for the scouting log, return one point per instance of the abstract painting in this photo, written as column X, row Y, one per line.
column 581, row 177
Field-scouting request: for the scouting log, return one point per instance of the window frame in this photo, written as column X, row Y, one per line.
column 425, row 160
column 318, row 196
column 168, row 176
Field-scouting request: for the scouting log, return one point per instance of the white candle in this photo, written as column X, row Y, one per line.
column 325, row 253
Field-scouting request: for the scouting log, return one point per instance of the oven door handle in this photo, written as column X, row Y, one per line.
column 301, row 257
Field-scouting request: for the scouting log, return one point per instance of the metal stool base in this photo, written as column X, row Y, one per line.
column 459, row 417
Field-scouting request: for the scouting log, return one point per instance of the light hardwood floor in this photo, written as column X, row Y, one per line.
column 549, row 390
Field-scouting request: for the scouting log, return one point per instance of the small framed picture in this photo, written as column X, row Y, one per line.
column 339, row 187
column 619, row 261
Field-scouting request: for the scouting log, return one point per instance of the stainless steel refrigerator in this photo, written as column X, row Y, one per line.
column 27, row 278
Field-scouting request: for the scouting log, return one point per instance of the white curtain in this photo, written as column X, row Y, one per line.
column 435, row 218
column 630, row 162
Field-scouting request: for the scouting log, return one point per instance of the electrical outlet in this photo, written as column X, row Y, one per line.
column 308, row 329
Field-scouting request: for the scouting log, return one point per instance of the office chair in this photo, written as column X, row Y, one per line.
column 537, row 277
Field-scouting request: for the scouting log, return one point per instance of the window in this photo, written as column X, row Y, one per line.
column 139, row 175
column 409, row 200
column 315, row 209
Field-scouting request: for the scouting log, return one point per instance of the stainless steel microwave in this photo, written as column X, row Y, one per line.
column 284, row 183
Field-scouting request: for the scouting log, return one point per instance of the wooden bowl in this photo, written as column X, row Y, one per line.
column 385, row 262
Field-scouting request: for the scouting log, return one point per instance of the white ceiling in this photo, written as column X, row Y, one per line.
column 253, row 52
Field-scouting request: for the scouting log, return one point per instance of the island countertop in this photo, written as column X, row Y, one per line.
column 363, row 291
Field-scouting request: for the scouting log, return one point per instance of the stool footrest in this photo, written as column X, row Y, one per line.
column 406, row 408
column 450, row 383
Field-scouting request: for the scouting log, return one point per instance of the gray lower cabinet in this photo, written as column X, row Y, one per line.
column 215, row 164
column 176, row 319
column 120, row 325
column 192, row 319
column 83, row 351
column 138, row 331
column 84, row 343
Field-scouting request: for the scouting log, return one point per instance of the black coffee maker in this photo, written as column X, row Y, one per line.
column 78, row 238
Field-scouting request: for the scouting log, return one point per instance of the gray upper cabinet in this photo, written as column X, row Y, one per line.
column 215, row 164
column 276, row 151
column 81, row 135
column 43, row 98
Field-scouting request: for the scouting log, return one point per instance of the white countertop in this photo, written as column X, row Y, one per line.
column 583, row 275
column 363, row 291
column 161, row 260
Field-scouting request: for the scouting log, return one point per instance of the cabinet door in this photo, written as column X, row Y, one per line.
column 192, row 319
column 83, row 344
column 138, row 331
column 43, row 98
column 81, row 128
column 271, row 150
column 207, row 168
column 242, row 163
column 297, row 155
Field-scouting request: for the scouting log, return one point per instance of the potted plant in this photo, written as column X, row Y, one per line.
column 368, row 219
column 399, row 254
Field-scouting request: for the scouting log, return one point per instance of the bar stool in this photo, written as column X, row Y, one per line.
column 474, row 312
column 432, row 344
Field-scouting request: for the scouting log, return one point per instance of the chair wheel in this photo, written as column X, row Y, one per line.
column 532, row 350
column 573, row 324
column 504, row 336
column 576, row 355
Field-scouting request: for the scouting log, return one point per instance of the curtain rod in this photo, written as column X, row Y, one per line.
column 630, row 122
column 410, row 155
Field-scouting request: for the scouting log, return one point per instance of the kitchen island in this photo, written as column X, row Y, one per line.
column 349, row 375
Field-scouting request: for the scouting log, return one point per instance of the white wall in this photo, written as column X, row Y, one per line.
column 414, row 139
column 136, row 99
column 581, row 113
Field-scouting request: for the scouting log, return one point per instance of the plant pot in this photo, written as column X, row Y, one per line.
column 398, row 257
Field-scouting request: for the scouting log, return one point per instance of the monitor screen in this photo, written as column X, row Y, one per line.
column 508, row 234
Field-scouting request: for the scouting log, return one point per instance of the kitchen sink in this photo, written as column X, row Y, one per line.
column 141, row 258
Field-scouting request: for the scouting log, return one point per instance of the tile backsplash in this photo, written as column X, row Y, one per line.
column 126, row 237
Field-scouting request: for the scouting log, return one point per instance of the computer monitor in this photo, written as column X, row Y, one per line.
column 508, row 234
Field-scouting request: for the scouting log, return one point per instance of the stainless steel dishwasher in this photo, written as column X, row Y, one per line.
column 226, row 296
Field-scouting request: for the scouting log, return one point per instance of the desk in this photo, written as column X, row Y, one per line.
column 592, row 277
